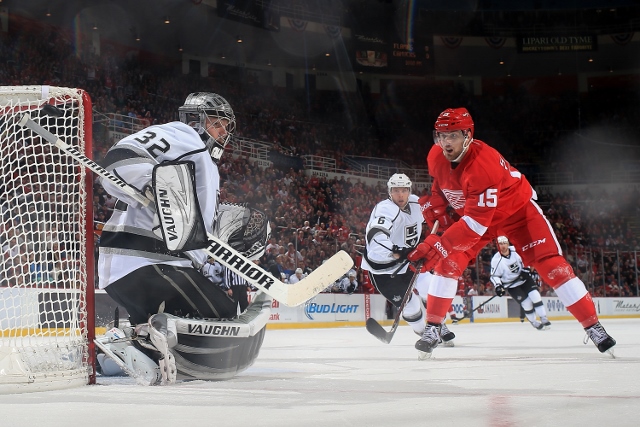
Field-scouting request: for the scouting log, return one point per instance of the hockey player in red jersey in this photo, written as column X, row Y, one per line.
column 492, row 198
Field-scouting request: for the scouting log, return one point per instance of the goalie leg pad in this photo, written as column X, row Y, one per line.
column 177, row 209
column 212, row 349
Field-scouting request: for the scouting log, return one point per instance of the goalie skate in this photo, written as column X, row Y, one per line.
column 117, row 347
column 163, row 335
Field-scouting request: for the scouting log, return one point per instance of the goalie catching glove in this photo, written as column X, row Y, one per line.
column 432, row 250
column 246, row 230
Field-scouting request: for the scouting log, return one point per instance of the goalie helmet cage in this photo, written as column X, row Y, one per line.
column 47, row 320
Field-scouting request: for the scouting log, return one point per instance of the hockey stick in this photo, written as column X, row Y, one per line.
column 467, row 314
column 376, row 328
column 289, row 295
column 405, row 262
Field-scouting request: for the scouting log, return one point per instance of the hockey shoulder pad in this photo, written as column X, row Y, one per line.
column 178, row 210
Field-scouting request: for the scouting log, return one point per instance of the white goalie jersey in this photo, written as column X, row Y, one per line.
column 505, row 270
column 391, row 226
column 127, row 239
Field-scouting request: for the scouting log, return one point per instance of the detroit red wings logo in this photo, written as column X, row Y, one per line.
column 455, row 198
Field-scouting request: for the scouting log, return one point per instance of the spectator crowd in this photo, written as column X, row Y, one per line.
column 314, row 217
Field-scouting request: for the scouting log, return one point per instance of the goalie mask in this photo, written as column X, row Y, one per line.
column 212, row 117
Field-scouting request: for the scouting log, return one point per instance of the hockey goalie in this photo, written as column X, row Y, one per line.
column 182, row 325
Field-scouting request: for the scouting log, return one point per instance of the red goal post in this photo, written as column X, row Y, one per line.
column 47, row 321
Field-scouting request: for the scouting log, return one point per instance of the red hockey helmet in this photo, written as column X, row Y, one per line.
column 455, row 119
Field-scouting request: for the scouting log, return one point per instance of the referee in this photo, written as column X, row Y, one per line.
column 238, row 287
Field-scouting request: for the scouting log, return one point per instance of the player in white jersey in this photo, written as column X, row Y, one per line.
column 394, row 229
column 508, row 272
column 213, row 271
column 135, row 266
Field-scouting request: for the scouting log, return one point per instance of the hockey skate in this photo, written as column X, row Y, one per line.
column 446, row 336
column 120, row 355
column 163, row 335
column 539, row 326
column 545, row 323
column 429, row 340
column 600, row 338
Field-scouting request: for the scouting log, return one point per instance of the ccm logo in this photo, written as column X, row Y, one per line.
column 441, row 249
column 532, row 244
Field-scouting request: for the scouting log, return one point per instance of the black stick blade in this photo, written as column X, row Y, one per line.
column 378, row 331
column 51, row 110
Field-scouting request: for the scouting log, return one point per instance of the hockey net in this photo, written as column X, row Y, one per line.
column 47, row 263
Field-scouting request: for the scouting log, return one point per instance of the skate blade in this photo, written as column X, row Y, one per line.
column 610, row 353
column 423, row 355
column 449, row 343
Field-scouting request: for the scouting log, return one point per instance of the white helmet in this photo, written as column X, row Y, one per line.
column 200, row 105
column 503, row 239
column 398, row 180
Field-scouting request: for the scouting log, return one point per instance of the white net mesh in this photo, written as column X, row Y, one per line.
column 43, row 268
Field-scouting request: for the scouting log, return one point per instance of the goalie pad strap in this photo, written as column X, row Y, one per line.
column 178, row 211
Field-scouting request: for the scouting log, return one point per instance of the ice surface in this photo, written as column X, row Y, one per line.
column 498, row 374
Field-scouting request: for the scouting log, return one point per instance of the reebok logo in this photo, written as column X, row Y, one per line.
column 441, row 249
column 425, row 206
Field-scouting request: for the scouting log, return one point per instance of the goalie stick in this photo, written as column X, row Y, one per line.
column 376, row 328
column 289, row 295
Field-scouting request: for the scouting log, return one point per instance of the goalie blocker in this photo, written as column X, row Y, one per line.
column 178, row 212
column 180, row 223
